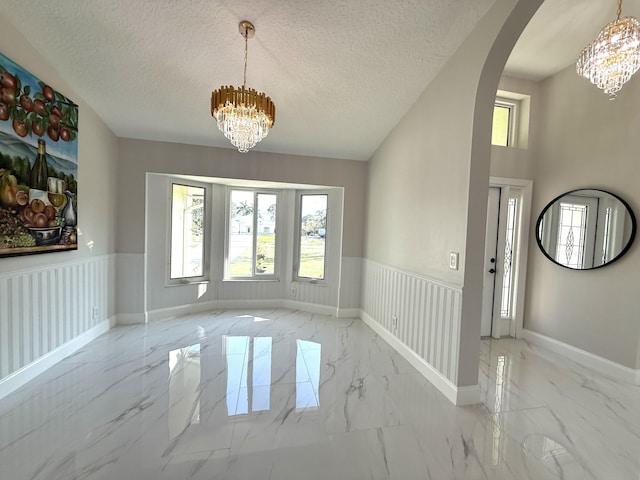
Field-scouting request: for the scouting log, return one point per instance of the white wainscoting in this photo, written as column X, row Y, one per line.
column 44, row 309
column 312, row 297
column 250, row 290
column 173, row 312
column 428, row 323
column 314, row 293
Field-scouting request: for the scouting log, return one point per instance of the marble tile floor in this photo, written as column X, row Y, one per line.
column 284, row 394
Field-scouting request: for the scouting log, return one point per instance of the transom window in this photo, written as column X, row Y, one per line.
column 504, row 123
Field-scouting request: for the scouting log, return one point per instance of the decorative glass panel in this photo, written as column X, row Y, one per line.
column 507, row 281
column 571, row 235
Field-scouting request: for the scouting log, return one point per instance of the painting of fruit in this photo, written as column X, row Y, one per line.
column 38, row 165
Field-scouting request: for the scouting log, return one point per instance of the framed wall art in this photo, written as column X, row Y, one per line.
column 38, row 165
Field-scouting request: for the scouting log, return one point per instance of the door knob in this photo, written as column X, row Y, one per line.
column 493, row 270
column 493, row 260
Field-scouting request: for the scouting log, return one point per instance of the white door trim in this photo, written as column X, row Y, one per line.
column 517, row 319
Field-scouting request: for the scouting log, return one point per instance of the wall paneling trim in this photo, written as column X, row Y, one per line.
column 47, row 313
column 426, row 332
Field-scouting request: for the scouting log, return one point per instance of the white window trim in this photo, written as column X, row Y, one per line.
column 204, row 278
column 275, row 276
column 296, row 242
column 514, row 116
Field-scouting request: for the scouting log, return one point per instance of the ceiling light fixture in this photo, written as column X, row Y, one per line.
column 243, row 115
column 614, row 56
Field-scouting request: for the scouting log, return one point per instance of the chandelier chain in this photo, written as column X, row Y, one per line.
column 246, row 41
column 619, row 8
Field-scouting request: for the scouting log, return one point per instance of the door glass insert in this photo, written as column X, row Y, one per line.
column 507, row 281
column 571, row 235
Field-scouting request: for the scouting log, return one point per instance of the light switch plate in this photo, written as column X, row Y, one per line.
column 453, row 260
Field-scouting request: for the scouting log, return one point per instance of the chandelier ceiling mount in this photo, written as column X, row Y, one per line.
column 242, row 114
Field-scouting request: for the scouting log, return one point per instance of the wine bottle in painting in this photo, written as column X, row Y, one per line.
column 39, row 172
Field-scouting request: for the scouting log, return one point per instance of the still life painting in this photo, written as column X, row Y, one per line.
column 38, row 165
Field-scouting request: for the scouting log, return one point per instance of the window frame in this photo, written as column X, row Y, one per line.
column 512, row 125
column 296, row 231
column 275, row 276
column 206, row 234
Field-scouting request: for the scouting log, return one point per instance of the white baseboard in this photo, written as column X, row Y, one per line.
column 17, row 379
column 251, row 304
column 505, row 327
column 130, row 319
column 457, row 395
column 173, row 312
column 348, row 313
column 587, row 359
column 328, row 310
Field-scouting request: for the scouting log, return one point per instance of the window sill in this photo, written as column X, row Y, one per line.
column 184, row 283
column 318, row 283
column 248, row 279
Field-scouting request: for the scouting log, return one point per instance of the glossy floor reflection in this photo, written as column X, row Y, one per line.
column 290, row 395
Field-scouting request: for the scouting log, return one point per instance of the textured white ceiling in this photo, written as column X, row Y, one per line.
column 558, row 32
column 341, row 73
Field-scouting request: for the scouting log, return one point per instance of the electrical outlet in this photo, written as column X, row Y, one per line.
column 95, row 313
column 453, row 260
column 293, row 291
column 394, row 322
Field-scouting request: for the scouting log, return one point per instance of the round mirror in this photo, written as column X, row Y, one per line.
column 585, row 229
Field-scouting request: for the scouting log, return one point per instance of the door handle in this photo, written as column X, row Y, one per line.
column 493, row 270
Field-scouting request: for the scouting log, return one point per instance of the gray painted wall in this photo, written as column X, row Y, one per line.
column 518, row 162
column 586, row 140
column 63, row 287
column 138, row 157
column 97, row 162
column 428, row 180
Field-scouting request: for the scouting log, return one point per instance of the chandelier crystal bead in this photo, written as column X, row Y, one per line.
column 242, row 114
column 614, row 56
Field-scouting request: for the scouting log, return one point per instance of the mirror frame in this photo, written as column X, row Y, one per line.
column 626, row 248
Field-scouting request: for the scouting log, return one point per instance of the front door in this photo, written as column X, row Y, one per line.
column 490, row 255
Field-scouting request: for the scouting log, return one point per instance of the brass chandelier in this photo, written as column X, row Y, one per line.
column 243, row 115
column 614, row 56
